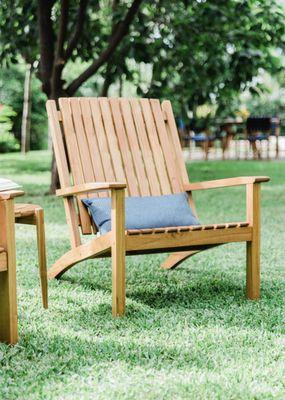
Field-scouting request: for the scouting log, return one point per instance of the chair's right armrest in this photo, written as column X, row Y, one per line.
column 89, row 187
column 10, row 194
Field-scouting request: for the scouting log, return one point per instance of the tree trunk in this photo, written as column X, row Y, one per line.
column 55, row 184
column 26, row 118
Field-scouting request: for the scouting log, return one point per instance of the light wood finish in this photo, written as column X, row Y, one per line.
column 40, row 225
column 118, row 252
column 32, row 214
column 96, row 247
column 221, row 183
column 253, row 246
column 11, row 194
column 8, row 290
column 174, row 260
column 116, row 143
column 89, row 187
column 3, row 260
column 55, row 123
column 183, row 240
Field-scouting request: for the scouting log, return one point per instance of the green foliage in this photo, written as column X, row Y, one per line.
column 12, row 93
column 188, row 333
column 8, row 142
column 199, row 52
column 209, row 51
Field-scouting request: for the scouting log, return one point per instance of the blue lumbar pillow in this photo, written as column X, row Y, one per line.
column 144, row 212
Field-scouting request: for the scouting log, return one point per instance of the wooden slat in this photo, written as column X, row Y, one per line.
column 63, row 171
column 175, row 145
column 83, row 146
column 95, row 153
column 187, row 228
column 71, row 142
column 155, row 147
column 126, row 150
column 112, row 139
column 134, row 145
column 147, row 155
column 102, row 141
column 74, row 159
column 58, row 144
column 168, row 150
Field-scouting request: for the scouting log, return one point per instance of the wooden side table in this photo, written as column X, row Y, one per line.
column 8, row 290
column 31, row 214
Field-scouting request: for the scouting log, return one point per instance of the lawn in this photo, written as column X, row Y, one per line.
column 187, row 334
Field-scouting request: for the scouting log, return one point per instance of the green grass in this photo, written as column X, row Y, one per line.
column 187, row 334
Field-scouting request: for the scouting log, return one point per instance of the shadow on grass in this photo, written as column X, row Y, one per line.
column 205, row 300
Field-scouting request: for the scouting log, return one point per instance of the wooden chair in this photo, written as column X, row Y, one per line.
column 32, row 214
column 8, row 290
column 131, row 146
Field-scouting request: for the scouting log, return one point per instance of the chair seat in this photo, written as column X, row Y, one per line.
column 25, row 210
column 187, row 228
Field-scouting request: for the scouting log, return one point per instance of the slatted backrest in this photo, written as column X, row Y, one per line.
column 131, row 140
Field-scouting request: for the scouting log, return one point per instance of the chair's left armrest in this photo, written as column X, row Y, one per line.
column 228, row 182
column 10, row 194
column 89, row 187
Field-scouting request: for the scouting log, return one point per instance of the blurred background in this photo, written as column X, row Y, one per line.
column 221, row 63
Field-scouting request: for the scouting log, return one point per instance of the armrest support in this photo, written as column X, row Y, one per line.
column 228, row 182
column 10, row 194
column 89, row 187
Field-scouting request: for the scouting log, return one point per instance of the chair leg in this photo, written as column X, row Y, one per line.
column 118, row 253
column 8, row 289
column 252, row 270
column 253, row 247
column 39, row 214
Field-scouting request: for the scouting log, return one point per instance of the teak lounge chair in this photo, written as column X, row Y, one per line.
column 131, row 147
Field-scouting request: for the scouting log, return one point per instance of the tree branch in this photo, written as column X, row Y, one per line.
column 119, row 33
column 78, row 29
column 46, row 36
column 59, row 61
column 62, row 28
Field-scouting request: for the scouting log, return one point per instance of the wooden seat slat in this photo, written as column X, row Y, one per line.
column 187, row 228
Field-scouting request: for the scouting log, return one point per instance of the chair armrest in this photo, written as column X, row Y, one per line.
column 10, row 194
column 89, row 187
column 219, row 183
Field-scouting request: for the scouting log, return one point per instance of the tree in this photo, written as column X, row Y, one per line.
column 209, row 51
column 63, row 28
column 198, row 51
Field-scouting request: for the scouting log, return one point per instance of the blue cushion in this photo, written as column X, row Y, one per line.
column 144, row 212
